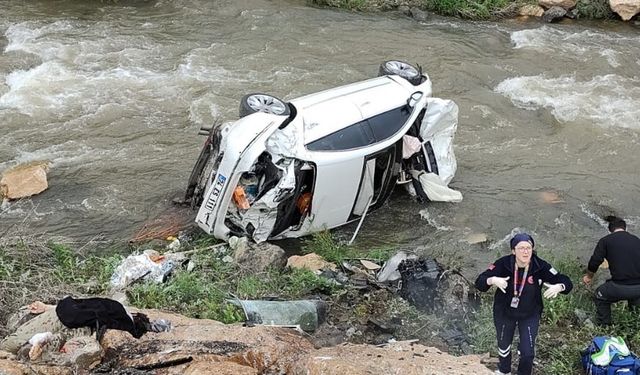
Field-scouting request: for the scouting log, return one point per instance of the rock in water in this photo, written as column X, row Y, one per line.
column 24, row 180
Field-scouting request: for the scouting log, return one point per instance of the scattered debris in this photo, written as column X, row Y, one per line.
column 369, row 265
column 305, row 314
column 149, row 265
column 389, row 271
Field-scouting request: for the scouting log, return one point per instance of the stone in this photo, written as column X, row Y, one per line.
column 419, row 14
column 202, row 346
column 553, row 14
column 626, row 9
column 530, row 10
column 565, row 4
column 24, row 180
column 395, row 358
column 312, row 262
column 475, row 238
column 12, row 367
column 551, row 197
column 259, row 257
column 404, row 9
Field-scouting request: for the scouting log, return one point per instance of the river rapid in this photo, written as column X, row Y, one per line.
column 114, row 94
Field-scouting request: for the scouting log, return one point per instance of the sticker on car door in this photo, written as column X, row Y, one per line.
column 215, row 191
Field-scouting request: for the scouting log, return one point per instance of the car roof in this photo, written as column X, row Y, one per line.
column 326, row 112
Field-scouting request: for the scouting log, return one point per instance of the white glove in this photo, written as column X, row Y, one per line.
column 499, row 282
column 553, row 290
column 38, row 342
column 41, row 338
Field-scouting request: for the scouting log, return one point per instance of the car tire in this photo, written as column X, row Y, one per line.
column 258, row 102
column 403, row 69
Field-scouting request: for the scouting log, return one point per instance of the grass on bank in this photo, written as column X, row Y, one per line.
column 469, row 9
column 562, row 335
column 31, row 269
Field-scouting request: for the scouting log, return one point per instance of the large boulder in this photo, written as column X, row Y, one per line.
column 405, row 358
column 554, row 14
column 565, row 4
column 257, row 257
column 625, row 8
column 530, row 10
column 24, row 180
column 312, row 262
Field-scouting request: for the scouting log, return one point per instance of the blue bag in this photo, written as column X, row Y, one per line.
column 620, row 362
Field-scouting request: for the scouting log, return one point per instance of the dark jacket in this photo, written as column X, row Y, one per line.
column 622, row 251
column 97, row 313
column 531, row 299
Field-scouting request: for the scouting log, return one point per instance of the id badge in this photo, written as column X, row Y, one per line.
column 514, row 302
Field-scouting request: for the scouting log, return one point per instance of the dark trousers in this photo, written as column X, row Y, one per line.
column 611, row 292
column 528, row 330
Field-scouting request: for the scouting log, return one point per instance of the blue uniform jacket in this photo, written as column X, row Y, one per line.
column 531, row 299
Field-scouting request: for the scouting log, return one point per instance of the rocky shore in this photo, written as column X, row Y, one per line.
column 202, row 346
column 546, row 10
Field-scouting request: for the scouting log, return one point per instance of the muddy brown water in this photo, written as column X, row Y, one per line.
column 114, row 94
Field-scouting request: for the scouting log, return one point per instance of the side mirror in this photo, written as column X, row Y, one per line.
column 414, row 99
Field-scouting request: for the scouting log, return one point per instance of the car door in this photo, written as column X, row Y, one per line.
column 379, row 173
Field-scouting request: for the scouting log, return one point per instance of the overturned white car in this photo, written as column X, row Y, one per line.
column 288, row 169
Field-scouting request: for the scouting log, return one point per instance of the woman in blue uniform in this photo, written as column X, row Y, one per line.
column 519, row 279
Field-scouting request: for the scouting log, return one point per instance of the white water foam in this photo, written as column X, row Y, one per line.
column 56, row 88
column 608, row 101
column 592, row 215
column 66, row 154
column 567, row 42
column 26, row 37
column 424, row 214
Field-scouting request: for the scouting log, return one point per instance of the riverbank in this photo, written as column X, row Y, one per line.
column 360, row 312
column 547, row 10
column 33, row 269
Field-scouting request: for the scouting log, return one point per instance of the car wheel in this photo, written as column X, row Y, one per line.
column 257, row 102
column 403, row 69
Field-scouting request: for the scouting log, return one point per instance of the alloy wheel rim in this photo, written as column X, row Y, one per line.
column 266, row 103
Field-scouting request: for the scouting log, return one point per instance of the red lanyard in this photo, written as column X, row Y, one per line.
column 517, row 293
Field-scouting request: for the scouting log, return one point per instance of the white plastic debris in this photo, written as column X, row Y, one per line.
column 389, row 271
column 136, row 267
column 436, row 189
column 439, row 127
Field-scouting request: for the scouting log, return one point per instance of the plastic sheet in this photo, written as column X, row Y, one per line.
column 136, row 267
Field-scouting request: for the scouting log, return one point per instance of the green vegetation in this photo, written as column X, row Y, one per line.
column 595, row 9
column 469, row 9
column 323, row 244
column 473, row 9
column 562, row 334
column 31, row 269
column 202, row 292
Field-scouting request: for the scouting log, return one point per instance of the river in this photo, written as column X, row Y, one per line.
column 113, row 94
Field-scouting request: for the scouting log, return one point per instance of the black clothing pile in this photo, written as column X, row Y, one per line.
column 100, row 314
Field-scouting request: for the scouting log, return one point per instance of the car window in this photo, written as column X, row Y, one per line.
column 367, row 132
column 388, row 123
column 353, row 136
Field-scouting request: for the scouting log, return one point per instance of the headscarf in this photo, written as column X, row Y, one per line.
column 521, row 237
